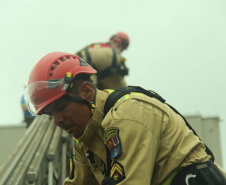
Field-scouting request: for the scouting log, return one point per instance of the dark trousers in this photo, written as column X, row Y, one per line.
column 28, row 120
column 205, row 173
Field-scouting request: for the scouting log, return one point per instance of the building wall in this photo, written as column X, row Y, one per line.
column 9, row 138
column 209, row 132
column 206, row 128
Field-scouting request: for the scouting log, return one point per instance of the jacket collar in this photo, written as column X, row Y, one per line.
column 93, row 134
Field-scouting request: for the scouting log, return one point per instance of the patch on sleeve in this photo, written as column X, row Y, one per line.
column 111, row 139
column 72, row 168
column 117, row 173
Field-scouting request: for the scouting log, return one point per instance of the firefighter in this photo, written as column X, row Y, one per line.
column 107, row 60
column 140, row 140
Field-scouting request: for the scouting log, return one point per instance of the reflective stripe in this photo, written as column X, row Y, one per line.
column 170, row 178
column 138, row 94
column 109, row 90
column 125, row 97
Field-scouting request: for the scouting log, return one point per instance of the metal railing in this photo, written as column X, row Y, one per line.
column 40, row 157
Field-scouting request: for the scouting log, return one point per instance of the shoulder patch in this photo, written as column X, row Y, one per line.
column 117, row 174
column 110, row 132
column 111, row 139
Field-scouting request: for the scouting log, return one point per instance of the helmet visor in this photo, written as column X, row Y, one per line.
column 40, row 93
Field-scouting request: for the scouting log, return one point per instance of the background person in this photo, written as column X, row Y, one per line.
column 107, row 60
column 28, row 118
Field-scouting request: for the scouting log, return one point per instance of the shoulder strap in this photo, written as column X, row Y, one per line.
column 89, row 59
column 114, row 59
column 113, row 69
column 118, row 93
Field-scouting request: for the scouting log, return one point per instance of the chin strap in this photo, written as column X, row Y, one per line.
column 91, row 105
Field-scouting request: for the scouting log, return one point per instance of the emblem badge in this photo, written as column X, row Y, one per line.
column 117, row 173
column 112, row 141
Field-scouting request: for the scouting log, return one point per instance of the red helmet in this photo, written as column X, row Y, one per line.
column 121, row 38
column 50, row 78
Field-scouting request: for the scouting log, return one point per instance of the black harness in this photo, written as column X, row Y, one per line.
column 114, row 69
column 206, row 173
column 120, row 92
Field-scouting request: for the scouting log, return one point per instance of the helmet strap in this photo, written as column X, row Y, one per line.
column 91, row 105
column 77, row 99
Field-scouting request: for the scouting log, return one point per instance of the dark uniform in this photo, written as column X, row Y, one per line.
column 28, row 118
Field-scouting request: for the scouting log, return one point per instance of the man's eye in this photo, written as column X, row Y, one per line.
column 50, row 115
column 60, row 108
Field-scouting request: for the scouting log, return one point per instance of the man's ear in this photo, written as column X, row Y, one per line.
column 86, row 91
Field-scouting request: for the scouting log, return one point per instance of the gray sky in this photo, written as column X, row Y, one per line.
column 177, row 47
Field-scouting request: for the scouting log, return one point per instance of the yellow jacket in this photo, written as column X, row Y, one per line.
column 101, row 58
column 155, row 142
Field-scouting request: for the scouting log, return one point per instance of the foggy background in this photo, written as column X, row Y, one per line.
column 177, row 47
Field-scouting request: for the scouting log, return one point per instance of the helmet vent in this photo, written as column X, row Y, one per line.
column 57, row 63
column 65, row 58
column 53, row 68
column 83, row 62
column 54, row 65
column 61, row 60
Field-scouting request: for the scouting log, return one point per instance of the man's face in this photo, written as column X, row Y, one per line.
column 70, row 116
